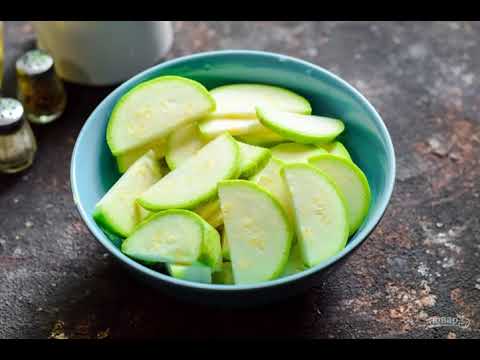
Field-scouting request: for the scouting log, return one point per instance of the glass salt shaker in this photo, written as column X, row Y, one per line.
column 39, row 88
column 17, row 142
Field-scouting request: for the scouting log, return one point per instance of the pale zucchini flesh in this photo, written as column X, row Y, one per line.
column 291, row 153
column 154, row 108
column 351, row 182
column 338, row 149
column 196, row 273
column 225, row 276
column 212, row 247
column 211, row 212
column 258, row 230
column 264, row 137
column 252, row 159
column 213, row 127
column 171, row 236
column 208, row 209
column 215, row 219
column 306, row 129
column 118, row 211
column 182, row 144
column 321, row 224
column 269, row 178
column 195, row 180
column 225, row 246
column 239, row 100
column 295, row 262
column 126, row 160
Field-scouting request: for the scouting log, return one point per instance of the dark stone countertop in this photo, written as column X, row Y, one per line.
column 420, row 263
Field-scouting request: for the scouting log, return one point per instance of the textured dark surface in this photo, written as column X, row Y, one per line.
column 421, row 263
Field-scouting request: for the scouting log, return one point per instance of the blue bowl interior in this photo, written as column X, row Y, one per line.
column 93, row 169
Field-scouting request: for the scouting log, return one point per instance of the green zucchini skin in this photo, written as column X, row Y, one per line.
column 117, row 122
column 154, row 199
column 260, row 209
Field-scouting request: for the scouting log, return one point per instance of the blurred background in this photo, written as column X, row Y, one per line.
column 420, row 263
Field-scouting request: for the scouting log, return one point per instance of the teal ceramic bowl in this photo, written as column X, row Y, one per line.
column 93, row 169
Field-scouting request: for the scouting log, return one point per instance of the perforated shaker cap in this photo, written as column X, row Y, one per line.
column 11, row 115
column 34, row 62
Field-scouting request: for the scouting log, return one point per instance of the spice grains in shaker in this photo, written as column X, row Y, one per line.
column 17, row 142
column 39, row 88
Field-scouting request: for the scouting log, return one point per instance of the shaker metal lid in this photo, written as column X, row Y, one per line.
column 11, row 115
column 34, row 62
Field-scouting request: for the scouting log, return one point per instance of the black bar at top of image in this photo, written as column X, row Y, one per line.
column 241, row 10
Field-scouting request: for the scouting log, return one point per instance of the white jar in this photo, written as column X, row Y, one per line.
column 103, row 52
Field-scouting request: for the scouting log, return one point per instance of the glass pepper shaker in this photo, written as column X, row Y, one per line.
column 17, row 142
column 39, row 88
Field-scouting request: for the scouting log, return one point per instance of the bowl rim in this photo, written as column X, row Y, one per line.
column 359, row 237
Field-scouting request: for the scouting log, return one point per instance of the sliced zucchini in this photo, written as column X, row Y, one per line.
column 117, row 211
column 195, row 273
column 338, row 149
column 306, row 129
column 212, row 127
column 174, row 236
column 215, row 219
column 351, row 182
column 225, row 276
column 182, row 144
column 269, row 178
column 153, row 109
column 264, row 137
column 225, row 246
column 259, row 233
column 252, row 159
column 321, row 223
column 212, row 247
column 126, row 160
column 195, row 180
column 291, row 153
column 211, row 212
column 239, row 100
column 208, row 209
column 295, row 262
